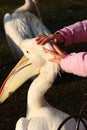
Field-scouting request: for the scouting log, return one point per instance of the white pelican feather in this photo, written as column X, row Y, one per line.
column 20, row 25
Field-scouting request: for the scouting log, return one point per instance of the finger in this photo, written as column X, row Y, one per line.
column 45, row 40
column 57, row 49
column 54, row 60
column 40, row 37
column 51, row 52
column 41, row 40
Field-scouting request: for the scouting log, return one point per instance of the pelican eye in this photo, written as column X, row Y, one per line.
column 28, row 52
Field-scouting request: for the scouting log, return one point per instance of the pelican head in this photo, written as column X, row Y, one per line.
column 30, row 65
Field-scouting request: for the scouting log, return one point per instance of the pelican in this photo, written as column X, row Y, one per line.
column 40, row 114
column 21, row 24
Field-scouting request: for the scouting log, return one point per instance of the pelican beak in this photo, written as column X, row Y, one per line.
column 19, row 74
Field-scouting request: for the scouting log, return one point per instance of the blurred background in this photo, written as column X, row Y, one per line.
column 69, row 92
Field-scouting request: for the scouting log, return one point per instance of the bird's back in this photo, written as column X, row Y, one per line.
column 20, row 26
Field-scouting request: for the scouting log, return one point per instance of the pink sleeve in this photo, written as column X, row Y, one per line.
column 75, row 63
column 75, row 33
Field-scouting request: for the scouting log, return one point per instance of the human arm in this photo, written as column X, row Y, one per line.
column 75, row 63
column 73, row 34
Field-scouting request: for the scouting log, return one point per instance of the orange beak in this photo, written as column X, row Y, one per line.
column 19, row 74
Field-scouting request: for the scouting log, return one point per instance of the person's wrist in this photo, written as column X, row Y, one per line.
column 59, row 37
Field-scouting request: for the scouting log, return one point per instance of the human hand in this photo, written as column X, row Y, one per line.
column 43, row 39
column 57, row 54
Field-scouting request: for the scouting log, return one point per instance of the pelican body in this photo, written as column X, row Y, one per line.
column 21, row 27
